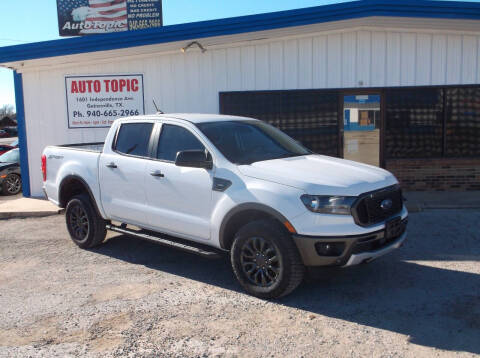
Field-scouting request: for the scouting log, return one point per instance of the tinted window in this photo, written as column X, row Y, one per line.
column 174, row 139
column 133, row 138
column 245, row 142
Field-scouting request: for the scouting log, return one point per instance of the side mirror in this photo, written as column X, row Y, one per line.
column 193, row 159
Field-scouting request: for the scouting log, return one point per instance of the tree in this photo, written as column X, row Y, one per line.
column 7, row 110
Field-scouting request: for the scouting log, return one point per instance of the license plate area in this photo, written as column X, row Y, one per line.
column 393, row 228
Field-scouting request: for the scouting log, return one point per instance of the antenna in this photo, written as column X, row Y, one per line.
column 156, row 107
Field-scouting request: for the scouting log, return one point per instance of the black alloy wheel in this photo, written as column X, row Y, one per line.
column 260, row 261
column 265, row 260
column 78, row 222
column 12, row 184
column 85, row 226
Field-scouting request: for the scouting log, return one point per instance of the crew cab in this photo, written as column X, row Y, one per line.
column 213, row 184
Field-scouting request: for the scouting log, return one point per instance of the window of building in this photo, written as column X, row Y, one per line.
column 133, row 139
column 309, row 116
column 414, row 123
column 174, row 139
column 462, row 122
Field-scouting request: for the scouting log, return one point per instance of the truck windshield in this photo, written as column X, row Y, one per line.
column 246, row 142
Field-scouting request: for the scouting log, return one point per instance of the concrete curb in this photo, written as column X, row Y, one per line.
column 28, row 214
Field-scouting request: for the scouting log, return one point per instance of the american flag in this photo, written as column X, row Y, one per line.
column 104, row 12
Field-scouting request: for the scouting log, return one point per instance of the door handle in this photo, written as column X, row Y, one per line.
column 157, row 173
column 111, row 165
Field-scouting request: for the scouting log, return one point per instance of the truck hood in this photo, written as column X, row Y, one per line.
column 321, row 175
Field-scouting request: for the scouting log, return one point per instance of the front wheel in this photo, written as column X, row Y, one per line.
column 265, row 260
column 85, row 226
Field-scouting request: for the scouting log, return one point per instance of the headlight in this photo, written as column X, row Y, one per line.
column 339, row 205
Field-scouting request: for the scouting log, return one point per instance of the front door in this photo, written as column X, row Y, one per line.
column 361, row 128
column 179, row 198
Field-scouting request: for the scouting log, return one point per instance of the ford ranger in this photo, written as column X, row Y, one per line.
column 209, row 184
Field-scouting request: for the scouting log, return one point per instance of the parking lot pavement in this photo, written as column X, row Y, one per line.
column 137, row 299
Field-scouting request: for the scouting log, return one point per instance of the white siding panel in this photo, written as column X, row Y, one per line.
column 290, row 55
column 454, row 59
column 248, row 67
column 305, row 63
column 320, row 62
column 364, row 53
column 180, row 88
column 191, row 81
column 423, row 60
column 407, row 58
column 349, row 59
column 262, row 67
column 393, row 59
column 276, row 65
column 379, row 59
column 234, row 67
column 469, row 59
column 208, row 95
column 334, row 60
column 439, row 59
column 220, row 70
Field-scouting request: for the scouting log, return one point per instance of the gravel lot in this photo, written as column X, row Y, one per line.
column 136, row 299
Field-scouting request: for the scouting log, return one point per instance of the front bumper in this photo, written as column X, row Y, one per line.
column 356, row 248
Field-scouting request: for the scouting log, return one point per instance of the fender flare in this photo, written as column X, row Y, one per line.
column 244, row 207
column 86, row 186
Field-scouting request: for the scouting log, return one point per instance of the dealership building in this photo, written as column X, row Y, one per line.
column 391, row 83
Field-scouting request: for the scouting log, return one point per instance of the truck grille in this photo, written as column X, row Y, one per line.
column 368, row 210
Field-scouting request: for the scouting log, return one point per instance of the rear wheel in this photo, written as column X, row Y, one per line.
column 12, row 184
column 265, row 260
column 84, row 224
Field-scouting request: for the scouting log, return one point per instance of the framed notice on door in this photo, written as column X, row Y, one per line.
column 96, row 101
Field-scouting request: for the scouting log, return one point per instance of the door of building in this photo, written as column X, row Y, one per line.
column 361, row 127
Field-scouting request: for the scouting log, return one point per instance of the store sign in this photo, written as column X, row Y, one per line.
column 96, row 101
column 85, row 17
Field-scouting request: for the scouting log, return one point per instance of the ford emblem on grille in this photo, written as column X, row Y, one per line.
column 386, row 204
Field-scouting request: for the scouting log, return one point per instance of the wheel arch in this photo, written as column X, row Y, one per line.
column 241, row 215
column 73, row 185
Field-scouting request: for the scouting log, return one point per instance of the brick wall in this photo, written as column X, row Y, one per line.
column 445, row 174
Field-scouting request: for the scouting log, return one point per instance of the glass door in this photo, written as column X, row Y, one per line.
column 361, row 128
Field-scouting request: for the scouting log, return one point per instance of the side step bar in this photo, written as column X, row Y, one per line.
column 167, row 241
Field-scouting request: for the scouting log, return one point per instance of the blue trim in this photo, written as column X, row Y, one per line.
column 22, row 133
column 244, row 24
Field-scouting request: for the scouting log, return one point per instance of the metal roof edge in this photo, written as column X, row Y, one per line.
column 243, row 24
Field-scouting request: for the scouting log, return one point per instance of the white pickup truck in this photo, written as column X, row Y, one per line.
column 212, row 183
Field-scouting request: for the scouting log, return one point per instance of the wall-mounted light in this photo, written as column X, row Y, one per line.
column 203, row 49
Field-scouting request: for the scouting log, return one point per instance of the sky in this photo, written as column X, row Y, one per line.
column 24, row 21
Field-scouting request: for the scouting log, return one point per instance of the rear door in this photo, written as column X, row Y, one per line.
column 122, row 173
column 179, row 198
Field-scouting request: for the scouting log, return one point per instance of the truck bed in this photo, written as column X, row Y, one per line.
column 91, row 147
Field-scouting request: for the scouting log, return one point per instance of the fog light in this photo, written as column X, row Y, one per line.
column 330, row 248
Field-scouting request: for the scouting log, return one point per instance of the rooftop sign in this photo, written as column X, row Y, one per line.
column 85, row 17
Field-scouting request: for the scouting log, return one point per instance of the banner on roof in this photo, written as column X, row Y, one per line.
column 86, row 17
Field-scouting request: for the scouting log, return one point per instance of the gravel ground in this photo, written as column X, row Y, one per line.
column 131, row 298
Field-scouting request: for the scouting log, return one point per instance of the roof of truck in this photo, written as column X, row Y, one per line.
column 199, row 117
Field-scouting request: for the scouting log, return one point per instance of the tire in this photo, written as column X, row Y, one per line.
column 12, row 184
column 84, row 224
column 261, row 274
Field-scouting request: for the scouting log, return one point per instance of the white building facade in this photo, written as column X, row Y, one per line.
column 376, row 48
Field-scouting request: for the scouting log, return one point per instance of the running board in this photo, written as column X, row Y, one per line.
column 162, row 240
